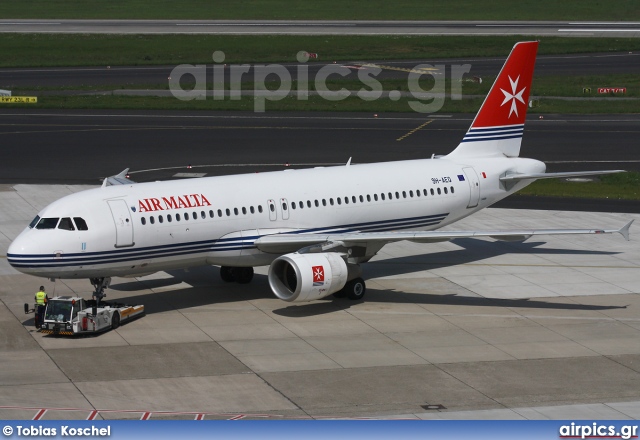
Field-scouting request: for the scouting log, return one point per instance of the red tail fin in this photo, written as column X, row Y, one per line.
column 498, row 126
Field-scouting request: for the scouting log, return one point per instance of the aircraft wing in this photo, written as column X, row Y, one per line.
column 284, row 243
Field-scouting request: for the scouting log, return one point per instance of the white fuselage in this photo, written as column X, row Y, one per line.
column 146, row 227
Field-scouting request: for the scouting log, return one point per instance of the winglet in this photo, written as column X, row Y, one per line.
column 624, row 231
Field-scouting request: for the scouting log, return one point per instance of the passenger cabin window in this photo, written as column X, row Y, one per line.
column 48, row 223
column 66, row 224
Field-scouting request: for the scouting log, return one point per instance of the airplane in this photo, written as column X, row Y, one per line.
column 313, row 227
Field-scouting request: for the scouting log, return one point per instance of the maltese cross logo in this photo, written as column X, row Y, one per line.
column 513, row 96
column 318, row 275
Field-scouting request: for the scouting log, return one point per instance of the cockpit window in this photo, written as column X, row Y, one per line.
column 81, row 224
column 47, row 223
column 66, row 224
column 34, row 222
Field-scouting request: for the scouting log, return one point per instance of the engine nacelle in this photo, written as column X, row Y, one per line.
column 307, row 277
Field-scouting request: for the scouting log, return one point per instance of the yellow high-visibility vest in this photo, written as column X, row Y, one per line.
column 40, row 298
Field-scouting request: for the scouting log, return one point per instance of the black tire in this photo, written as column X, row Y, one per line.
column 355, row 289
column 226, row 273
column 243, row 275
column 115, row 321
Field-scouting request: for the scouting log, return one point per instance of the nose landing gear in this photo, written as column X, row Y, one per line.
column 99, row 285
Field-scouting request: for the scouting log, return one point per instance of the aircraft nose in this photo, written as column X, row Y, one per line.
column 20, row 250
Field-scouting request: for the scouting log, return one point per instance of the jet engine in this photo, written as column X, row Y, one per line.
column 307, row 277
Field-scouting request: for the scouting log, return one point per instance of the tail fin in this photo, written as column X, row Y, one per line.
column 498, row 126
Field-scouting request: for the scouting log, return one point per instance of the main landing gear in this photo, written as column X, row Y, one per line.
column 241, row 275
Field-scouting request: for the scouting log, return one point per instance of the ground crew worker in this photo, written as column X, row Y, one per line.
column 41, row 302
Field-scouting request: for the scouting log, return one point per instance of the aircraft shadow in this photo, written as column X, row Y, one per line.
column 473, row 250
column 203, row 285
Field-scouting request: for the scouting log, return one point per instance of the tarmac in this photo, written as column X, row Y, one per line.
column 469, row 329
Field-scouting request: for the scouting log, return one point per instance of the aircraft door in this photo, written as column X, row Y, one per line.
column 271, row 206
column 284, row 205
column 122, row 220
column 474, row 186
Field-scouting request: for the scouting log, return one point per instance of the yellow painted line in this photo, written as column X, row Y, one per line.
column 18, row 99
column 415, row 129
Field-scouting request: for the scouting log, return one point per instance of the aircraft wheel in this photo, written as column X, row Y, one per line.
column 355, row 289
column 115, row 321
column 226, row 273
column 243, row 275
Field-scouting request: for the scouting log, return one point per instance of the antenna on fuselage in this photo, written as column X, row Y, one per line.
column 349, row 162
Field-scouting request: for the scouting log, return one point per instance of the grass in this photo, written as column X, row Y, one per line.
column 567, row 85
column 623, row 186
column 315, row 103
column 46, row 50
column 573, row 10
column 552, row 86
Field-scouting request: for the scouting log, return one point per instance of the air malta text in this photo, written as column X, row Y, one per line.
column 173, row 202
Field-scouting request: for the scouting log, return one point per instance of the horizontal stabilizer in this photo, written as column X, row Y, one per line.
column 118, row 179
column 517, row 177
